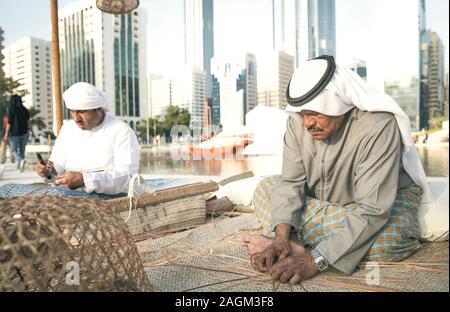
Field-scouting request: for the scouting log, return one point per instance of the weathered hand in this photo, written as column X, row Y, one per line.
column 72, row 180
column 294, row 269
column 42, row 170
column 278, row 250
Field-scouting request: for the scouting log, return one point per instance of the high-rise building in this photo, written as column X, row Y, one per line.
column 446, row 98
column 28, row 62
column 393, row 60
column 321, row 27
column 189, row 92
column 238, row 89
column 360, row 68
column 432, row 78
column 2, row 73
column 274, row 72
column 160, row 97
column 436, row 77
column 215, row 101
column 199, row 36
column 304, row 28
column 108, row 51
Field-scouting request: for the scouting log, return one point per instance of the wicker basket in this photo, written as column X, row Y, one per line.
column 117, row 6
column 54, row 243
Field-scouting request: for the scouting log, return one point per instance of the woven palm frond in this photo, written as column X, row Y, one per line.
column 54, row 243
column 117, row 6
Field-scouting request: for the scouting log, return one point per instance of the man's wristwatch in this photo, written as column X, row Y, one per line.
column 321, row 263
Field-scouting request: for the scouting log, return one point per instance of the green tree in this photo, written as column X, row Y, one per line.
column 153, row 124
column 8, row 87
column 36, row 120
column 173, row 116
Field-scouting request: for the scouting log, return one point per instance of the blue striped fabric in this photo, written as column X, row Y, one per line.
column 397, row 240
column 40, row 189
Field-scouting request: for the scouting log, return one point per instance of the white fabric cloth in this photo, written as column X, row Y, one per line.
column 84, row 96
column 111, row 147
column 347, row 90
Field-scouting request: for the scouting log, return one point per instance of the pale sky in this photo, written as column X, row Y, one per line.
column 240, row 26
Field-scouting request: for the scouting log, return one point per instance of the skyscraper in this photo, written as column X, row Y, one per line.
column 28, row 62
column 393, row 61
column 321, row 27
column 274, row 72
column 238, row 89
column 215, row 101
column 432, row 73
column 199, row 36
column 188, row 87
column 2, row 73
column 160, row 96
column 108, row 51
column 304, row 28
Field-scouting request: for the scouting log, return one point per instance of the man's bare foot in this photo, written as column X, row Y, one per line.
column 255, row 243
column 258, row 242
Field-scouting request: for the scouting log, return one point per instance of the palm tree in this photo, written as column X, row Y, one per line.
column 36, row 120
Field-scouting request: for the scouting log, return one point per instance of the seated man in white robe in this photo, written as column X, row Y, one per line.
column 94, row 151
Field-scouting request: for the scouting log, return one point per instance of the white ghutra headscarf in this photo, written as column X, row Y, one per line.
column 320, row 85
column 84, row 96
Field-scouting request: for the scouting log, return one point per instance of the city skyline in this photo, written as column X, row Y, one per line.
column 165, row 20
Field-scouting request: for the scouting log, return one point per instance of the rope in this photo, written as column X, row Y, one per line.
column 131, row 191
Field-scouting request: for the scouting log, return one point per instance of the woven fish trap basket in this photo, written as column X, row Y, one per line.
column 54, row 243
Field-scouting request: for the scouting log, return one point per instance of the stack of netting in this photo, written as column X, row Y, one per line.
column 54, row 243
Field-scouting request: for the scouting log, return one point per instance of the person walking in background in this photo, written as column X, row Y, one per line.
column 17, row 128
column 4, row 143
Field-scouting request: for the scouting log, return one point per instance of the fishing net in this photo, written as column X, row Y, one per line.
column 54, row 243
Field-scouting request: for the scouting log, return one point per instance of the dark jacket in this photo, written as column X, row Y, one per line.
column 18, row 118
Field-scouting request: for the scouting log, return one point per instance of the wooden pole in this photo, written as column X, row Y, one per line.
column 163, row 196
column 57, row 103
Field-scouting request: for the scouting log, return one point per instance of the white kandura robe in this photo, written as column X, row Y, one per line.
column 112, row 146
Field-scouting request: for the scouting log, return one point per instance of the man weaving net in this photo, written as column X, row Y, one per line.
column 351, row 180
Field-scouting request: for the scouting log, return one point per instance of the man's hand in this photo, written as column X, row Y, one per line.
column 294, row 269
column 5, row 139
column 72, row 180
column 43, row 170
column 278, row 250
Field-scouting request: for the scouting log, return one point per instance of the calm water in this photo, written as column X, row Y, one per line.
column 435, row 160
